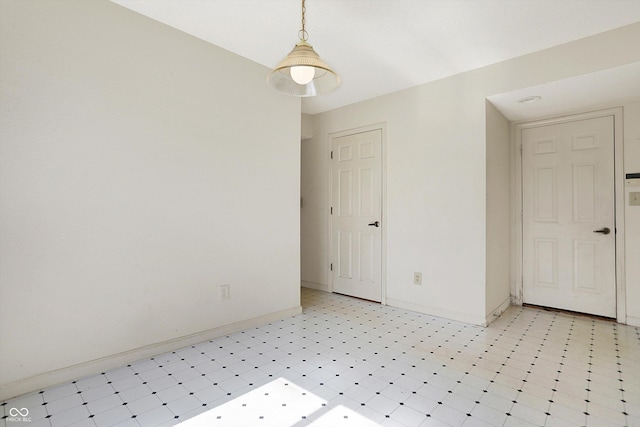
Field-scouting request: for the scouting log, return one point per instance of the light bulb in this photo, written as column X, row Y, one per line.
column 302, row 74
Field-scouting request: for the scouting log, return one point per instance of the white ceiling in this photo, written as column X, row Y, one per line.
column 590, row 90
column 382, row 46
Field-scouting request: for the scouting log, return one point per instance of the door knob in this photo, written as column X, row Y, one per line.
column 604, row 230
column 374, row 224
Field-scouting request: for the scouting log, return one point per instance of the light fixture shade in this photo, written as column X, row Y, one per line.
column 325, row 80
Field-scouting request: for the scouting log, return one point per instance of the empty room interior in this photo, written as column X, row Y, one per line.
column 450, row 236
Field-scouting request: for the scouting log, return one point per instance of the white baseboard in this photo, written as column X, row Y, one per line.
column 498, row 311
column 92, row 367
column 314, row 285
column 633, row 321
column 438, row 312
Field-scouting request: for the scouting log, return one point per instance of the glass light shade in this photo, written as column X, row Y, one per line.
column 324, row 79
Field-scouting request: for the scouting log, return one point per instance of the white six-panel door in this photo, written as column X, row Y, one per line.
column 568, row 206
column 356, row 215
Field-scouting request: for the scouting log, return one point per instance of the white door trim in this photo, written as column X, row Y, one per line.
column 516, row 213
column 383, row 198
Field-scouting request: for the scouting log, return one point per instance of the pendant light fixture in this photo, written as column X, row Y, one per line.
column 302, row 73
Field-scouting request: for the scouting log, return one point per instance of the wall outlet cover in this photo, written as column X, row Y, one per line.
column 225, row 292
column 417, row 278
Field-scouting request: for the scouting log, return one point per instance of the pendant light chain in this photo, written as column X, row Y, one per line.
column 302, row 34
column 302, row 73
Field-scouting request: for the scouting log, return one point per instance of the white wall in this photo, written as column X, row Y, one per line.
column 632, row 213
column 140, row 168
column 437, row 173
column 498, row 159
column 313, row 215
column 306, row 130
column 434, row 186
column 313, row 212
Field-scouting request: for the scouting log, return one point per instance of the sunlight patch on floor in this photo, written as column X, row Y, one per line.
column 279, row 403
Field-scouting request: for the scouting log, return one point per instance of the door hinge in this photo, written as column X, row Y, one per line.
column 332, row 154
column 331, row 267
column 331, row 210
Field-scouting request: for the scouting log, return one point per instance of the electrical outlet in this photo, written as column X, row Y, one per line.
column 417, row 278
column 225, row 292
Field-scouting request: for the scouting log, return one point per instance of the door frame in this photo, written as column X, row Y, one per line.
column 383, row 198
column 517, row 202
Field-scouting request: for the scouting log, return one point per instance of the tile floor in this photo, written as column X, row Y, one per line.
column 347, row 362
